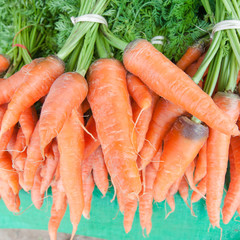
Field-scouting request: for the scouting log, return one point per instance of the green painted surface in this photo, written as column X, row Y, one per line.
column 107, row 223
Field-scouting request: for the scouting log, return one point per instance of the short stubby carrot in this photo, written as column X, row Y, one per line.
column 28, row 120
column 110, row 104
column 67, row 93
column 164, row 115
column 71, row 148
column 170, row 82
column 4, row 63
column 37, row 85
column 217, row 157
column 181, row 146
column 139, row 91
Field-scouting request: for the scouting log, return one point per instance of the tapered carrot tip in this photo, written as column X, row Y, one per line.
column 75, row 226
column 86, row 214
column 52, row 235
column 127, row 227
column 4, row 63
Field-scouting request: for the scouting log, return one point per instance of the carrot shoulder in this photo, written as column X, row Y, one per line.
column 170, row 82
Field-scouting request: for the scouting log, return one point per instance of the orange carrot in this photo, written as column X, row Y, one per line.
column 21, row 181
column 181, row 146
column 156, row 159
column 164, row 115
column 34, row 158
column 100, row 173
column 4, row 63
column 107, row 88
column 19, row 161
column 139, row 91
column 36, row 85
column 36, row 196
column 66, row 94
column 201, row 164
column 71, row 148
column 28, row 120
column 85, row 106
column 171, row 202
column 235, row 145
column 217, row 157
column 191, row 55
column 183, row 190
column 20, row 144
column 12, row 141
column 202, row 188
column 170, row 82
column 121, row 200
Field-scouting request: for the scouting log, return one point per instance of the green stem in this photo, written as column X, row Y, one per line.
column 103, row 48
column 233, row 64
column 208, row 9
column 224, row 73
column 234, row 43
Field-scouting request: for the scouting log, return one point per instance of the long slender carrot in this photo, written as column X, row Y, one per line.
column 191, row 55
column 170, row 82
column 71, row 148
column 21, row 181
column 67, row 93
column 171, row 202
column 181, row 146
column 201, row 164
column 202, row 188
column 4, row 63
column 183, row 190
column 164, row 115
column 20, row 144
column 217, row 157
column 36, row 85
column 28, row 120
column 235, row 145
column 121, row 200
column 110, row 104
column 139, row 91
column 12, row 140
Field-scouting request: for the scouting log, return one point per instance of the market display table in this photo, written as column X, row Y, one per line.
column 107, row 222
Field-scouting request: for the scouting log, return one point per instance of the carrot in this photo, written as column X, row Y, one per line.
column 57, row 213
column 88, row 187
column 183, row 190
column 36, row 196
column 156, row 159
column 100, row 173
column 164, row 115
column 66, row 94
column 36, row 85
column 85, row 106
column 191, row 55
column 21, row 181
column 235, row 145
column 232, row 199
column 121, row 200
column 174, row 188
column 110, row 104
column 217, row 157
column 139, row 91
column 142, row 118
column 28, row 120
column 12, row 140
column 170, row 82
column 20, row 144
column 71, row 148
column 201, row 164
column 181, row 146
column 171, row 202
column 4, row 63
column 19, row 161
column 34, row 158
column 202, row 188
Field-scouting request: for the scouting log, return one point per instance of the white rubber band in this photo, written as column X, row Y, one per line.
column 157, row 40
column 226, row 24
column 89, row 18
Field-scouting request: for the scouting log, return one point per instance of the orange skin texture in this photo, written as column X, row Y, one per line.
column 19, row 145
column 183, row 190
column 201, row 164
column 4, row 63
column 181, row 146
column 217, row 157
column 100, row 173
column 139, row 91
column 232, row 198
column 202, row 188
column 71, row 149
column 109, row 100
column 171, row 202
column 19, row 161
column 191, row 55
column 90, row 144
column 164, row 115
column 67, row 93
column 174, row 188
column 189, row 175
column 34, row 158
column 28, row 120
column 21, row 181
column 167, row 80
column 56, row 213
column 12, row 140
column 37, row 84
column 143, row 121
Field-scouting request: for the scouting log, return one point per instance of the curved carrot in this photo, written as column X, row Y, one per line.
column 34, row 158
column 28, row 120
column 171, row 202
column 189, row 175
column 191, row 55
column 202, row 188
column 100, row 173
column 201, row 164
column 71, row 147
column 183, row 190
column 181, row 146
column 164, row 115
column 217, row 157
column 138, row 91
column 67, row 93
column 4, row 63
column 170, row 82
column 20, row 144
column 110, row 104
column 37, row 84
